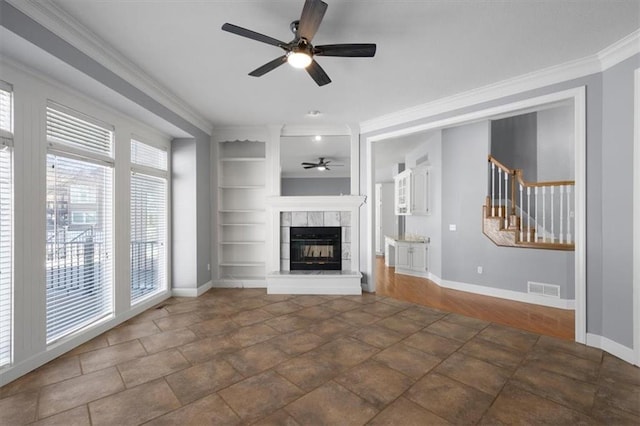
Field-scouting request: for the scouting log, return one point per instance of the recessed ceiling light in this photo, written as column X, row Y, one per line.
column 318, row 138
column 313, row 113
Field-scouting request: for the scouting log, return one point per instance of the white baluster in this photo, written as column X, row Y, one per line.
column 528, row 213
column 493, row 189
column 499, row 190
column 544, row 215
column 521, row 208
column 535, row 219
column 506, row 200
column 561, row 213
column 553, row 235
column 569, row 237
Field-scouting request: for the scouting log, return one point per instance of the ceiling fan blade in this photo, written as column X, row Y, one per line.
column 234, row 29
column 269, row 66
column 311, row 167
column 311, row 17
column 358, row 50
column 309, row 164
column 317, row 73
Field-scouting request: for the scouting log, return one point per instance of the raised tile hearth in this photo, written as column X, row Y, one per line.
column 289, row 213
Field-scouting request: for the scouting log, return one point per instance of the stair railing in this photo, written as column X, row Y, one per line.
column 552, row 207
column 504, row 176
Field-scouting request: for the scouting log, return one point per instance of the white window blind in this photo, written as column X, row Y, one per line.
column 79, row 224
column 148, row 220
column 6, row 224
column 75, row 130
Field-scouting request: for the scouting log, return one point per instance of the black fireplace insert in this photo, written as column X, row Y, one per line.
column 316, row 248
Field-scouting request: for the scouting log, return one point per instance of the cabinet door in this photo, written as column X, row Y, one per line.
column 420, row 191
column 402, row 193
column 419, row 257
column 403, row 255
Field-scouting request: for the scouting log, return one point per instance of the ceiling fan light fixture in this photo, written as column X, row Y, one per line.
column 298, row 59
column 322, row 168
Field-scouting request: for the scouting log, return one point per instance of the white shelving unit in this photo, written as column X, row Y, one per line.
column 241, row 212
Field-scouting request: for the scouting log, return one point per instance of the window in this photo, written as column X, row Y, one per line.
column 148, row 220
column 79, row 241
column 6, row 223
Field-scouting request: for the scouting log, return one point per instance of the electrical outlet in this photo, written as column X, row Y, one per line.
column 480, row 269
column 452, row 227
column 208, row 266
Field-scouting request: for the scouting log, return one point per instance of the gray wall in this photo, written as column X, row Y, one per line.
column 514, row 143
column 199, row 212
column 464, row 185
column 556, row 153
column 617, row 201
column 601, row 302
column 315, row 186
column 184, row 198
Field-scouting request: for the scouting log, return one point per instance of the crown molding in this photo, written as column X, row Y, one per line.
column 56, row 20
column 620, row 50
column 606, row 58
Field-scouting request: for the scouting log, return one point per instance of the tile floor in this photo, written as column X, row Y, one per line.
column 242, row 357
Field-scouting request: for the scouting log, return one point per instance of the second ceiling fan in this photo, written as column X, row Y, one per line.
column 300, row 51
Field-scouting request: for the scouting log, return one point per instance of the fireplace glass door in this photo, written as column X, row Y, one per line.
column 316, row 248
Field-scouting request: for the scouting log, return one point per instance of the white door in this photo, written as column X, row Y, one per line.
column 379, row 233
column 403, row 255
column 419, row 257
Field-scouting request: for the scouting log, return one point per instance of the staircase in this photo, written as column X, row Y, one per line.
column 528, row 214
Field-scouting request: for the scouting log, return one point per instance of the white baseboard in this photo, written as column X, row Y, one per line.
column 614, row 348
column 191, row 292
column 517, row 296
column 59, row 348
column 239, row 283
column 418, row 274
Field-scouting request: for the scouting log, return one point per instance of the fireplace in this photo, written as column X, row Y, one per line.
column 316, row 248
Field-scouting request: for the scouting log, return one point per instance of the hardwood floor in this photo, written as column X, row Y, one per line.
column 534, row 318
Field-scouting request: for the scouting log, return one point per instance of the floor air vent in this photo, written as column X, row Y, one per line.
column 542, row 289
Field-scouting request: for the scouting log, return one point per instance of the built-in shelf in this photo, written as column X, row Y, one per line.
column 242, row 215
column 241, row 187
column 242, row 159
column 242, row 242
column 243, row 211
column 240, row 263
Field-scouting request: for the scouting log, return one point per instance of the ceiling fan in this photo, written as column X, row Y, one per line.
column 320, row 165
column 300, row 51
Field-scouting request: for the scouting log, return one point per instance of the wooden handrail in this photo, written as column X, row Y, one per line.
column 518, row 174
column 493, row 160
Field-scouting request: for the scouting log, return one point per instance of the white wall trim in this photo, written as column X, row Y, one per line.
column 240, row 133
column 578, row 96
column 191, row 292
column 56, row 20
column 636, row 219
column 568, row 304
column 82, row 336
column 239, row 283
column 614, row 348
column 599, row 62
column 619, row 51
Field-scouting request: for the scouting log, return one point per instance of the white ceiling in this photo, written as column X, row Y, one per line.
column 426, row 50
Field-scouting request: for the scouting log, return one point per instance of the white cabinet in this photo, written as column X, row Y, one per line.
column 402, row 192
column 241, row 211
column 412, row 192
column 411, row 258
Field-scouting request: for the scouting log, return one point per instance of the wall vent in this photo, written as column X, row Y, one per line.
column 542, row 289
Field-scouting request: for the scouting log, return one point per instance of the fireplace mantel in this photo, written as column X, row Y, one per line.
column 316, row 203
column 279, row 281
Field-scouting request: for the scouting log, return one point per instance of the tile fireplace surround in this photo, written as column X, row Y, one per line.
column 308, row 219
column 286, row 212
